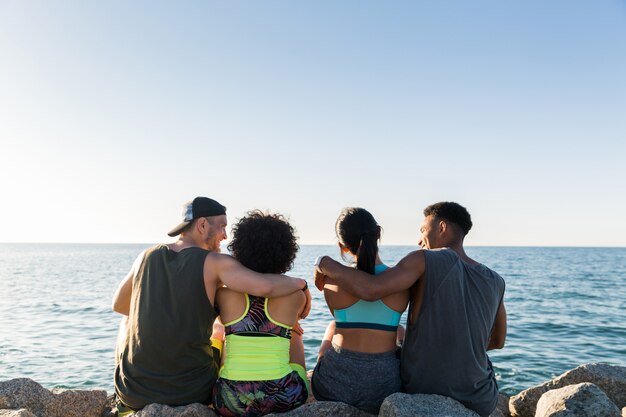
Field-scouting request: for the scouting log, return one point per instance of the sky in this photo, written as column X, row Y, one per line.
column 113, row 114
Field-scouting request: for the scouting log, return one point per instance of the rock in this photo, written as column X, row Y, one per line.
column 323, row 409
column 576, row 401
column 24, row 393
column 22, row 412
column 160, row 410
column 110, row 408
column 502, row 409
column 76, row 403
column 610, row 379
column 422, row 405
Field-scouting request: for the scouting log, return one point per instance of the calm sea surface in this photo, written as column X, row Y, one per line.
column 566, row 306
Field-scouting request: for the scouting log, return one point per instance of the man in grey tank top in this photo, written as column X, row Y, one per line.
column 456, row 311
column 164, row 354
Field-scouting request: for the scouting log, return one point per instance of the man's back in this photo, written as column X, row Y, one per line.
column 445, row 349
column 167, row 357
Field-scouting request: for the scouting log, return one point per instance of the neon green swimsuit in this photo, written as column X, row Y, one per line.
column 257, row 347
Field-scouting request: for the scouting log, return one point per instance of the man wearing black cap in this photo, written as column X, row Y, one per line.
column 165, row 355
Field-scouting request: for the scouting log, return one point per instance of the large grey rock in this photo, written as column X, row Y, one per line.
column 76, row 403
column 22, row 412
column 578, row 400
column 160, row 410
column 323, row 409
column 24, row 393
column 423, row 405
column 610, row 379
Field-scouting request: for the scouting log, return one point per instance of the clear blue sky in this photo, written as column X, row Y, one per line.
column 112, row 114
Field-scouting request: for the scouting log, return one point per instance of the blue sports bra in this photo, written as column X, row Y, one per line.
column 368, row 314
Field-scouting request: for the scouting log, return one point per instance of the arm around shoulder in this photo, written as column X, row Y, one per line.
column 225, row 268
column 360, row 284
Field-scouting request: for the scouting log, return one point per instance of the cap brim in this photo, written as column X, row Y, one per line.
column 176, row 231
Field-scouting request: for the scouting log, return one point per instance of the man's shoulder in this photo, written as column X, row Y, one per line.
column 152, row 250
column 441, row 254
column 491, row 277
column 497, row 277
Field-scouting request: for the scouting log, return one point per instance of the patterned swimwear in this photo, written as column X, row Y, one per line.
column 257, row 378
column 257, row 398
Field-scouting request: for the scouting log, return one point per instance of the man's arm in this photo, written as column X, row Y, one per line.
column 234, row 275
column 121, row 298
column 362, row 285
column 498, row 333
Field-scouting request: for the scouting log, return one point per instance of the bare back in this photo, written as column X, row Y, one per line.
column 285, row 310
column 363, row 340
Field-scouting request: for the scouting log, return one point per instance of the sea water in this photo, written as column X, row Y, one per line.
column 566, row 307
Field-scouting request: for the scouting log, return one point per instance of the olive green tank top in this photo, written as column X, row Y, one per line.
column 167, row 357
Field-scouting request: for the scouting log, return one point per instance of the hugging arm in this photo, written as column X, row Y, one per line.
column 237, row 277
column 361, row 285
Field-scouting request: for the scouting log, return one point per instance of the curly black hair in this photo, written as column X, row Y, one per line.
column 452, row 212
column 264, row 242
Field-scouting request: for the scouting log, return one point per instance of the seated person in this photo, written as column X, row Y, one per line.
column 263, row 367
column 360, row 368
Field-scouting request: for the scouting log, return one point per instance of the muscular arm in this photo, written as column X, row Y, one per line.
column 361, row 285
column 237, row 277
column 498, row 333
column 121, row 298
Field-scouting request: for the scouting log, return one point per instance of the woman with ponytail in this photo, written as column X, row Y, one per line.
column 357, row 363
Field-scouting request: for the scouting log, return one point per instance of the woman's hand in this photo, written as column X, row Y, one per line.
column 320, row 279
column 307, row 307
column 298, row 329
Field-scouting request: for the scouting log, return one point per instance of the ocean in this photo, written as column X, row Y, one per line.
column 566, row 307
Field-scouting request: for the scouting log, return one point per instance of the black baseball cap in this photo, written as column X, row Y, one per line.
column 198, row 207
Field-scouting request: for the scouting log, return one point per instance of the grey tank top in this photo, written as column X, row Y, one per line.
column 167, row 357
column 445, row 349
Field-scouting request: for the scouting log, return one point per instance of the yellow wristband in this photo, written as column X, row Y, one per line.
column 218, row 344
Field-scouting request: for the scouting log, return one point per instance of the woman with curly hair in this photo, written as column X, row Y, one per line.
column 360, row 366
column 263, row 366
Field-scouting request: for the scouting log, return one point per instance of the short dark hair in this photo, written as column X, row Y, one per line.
column 451, row 212
column 264, row 242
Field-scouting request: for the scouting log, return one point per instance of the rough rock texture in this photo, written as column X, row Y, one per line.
column 576, row 401
column 24, row 393
column 422, row 405
column 497, row 413
column 323, row 408
column 160, row 410
column 22, row 412
column 610, row 379
column 502, row 409
column 110, row 409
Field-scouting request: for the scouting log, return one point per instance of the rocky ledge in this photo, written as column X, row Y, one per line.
column 596, row 390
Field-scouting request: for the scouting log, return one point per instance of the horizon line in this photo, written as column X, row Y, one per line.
column 326, row 244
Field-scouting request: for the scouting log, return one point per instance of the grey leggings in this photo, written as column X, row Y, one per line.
column 360, row 379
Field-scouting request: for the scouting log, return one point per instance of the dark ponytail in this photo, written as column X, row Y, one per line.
column 358, row 231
